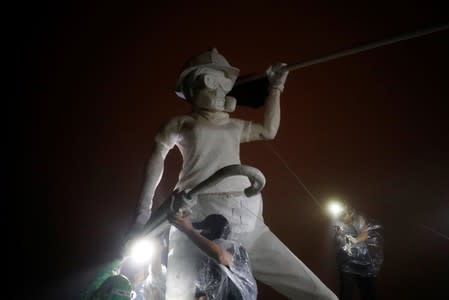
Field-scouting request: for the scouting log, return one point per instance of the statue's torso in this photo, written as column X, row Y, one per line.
column 207, row 146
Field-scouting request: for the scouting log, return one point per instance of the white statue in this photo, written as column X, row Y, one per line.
column 208, row 140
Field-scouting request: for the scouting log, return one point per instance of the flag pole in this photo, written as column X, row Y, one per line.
column 351, row 51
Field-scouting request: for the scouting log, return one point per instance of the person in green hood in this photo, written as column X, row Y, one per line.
column 115, row 287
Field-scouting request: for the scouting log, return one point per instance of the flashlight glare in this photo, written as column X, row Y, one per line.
column 335, row 208
column 142, row 250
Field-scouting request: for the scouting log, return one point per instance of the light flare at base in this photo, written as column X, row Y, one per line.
column 335, row 208
column 142, row 250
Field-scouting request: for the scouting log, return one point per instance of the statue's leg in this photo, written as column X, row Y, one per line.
column 275, row 265
column 181, row 267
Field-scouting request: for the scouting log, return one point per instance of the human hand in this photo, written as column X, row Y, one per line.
column 338, row 230
column 277, row 76
column 363, row 236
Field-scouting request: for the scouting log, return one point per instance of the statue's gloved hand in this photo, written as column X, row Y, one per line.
column 277, row 76
column 181, row 202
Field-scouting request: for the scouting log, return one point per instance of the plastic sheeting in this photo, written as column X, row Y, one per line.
column 363, row 258
column 219, row 282
column 155, row 284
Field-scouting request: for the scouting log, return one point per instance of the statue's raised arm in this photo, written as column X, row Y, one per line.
column 268, row 130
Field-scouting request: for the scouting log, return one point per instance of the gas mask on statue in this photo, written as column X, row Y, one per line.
column 210, row 89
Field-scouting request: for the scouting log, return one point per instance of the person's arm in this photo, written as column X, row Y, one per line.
column 362, row 228
column 341, row 239
column 363, row 236
column 272, row 117
column 209, row 247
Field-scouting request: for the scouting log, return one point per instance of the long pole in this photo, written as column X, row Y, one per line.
column 358, row 49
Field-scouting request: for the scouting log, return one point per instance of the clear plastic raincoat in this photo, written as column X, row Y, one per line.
column 362, row 258
column 219, row 282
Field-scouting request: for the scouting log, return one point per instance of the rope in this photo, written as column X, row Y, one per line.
column 295, row 176
column 435, row 232
column 259, row 219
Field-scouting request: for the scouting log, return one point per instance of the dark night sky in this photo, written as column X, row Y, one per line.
column 94, row 82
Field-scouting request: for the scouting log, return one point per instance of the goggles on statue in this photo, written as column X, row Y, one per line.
column 214, row 81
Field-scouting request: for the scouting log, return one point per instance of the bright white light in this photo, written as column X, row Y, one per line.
column 142, row 250
column 335, row 208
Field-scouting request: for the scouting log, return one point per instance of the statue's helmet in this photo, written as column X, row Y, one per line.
column 209, row 59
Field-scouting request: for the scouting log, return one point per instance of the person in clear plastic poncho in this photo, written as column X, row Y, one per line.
column 359, row 254
column 224, row 270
